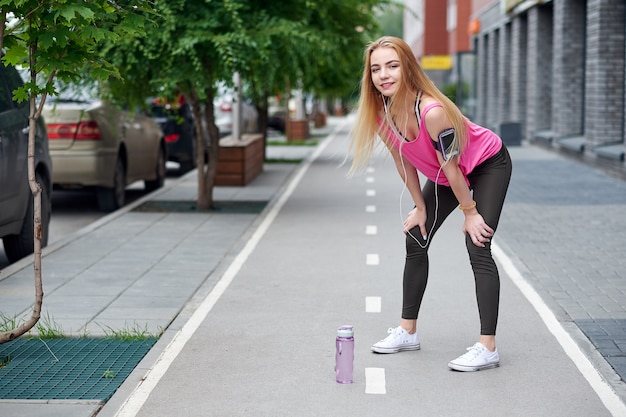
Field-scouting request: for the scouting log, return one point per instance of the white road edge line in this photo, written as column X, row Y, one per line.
column 604, row 391
column 142, row 391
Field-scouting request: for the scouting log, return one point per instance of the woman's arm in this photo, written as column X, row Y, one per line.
column 474, row 224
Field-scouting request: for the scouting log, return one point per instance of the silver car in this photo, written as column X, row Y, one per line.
column 95, row 144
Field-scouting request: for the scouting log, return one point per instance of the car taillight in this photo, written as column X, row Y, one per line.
column 172, row 137
column 77, row 131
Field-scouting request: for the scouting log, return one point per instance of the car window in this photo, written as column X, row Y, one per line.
column 72, row 93
column 6, row 90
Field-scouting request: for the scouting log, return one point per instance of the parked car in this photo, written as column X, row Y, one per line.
column 16, row 198
column 179, row 130
column 277, row 119
column 277, row 115
column 94, row 144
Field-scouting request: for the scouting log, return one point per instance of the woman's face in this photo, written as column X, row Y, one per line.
column 385, row 70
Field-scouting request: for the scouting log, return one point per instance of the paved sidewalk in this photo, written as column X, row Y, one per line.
column 250, row 303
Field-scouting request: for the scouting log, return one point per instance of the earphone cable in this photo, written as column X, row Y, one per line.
column 404, row 188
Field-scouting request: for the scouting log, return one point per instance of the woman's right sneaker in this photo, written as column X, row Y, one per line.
column 398, row 340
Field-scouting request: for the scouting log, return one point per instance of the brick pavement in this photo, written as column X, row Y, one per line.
column 565, row 222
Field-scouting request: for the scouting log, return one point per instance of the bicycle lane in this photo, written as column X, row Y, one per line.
column 332, row 255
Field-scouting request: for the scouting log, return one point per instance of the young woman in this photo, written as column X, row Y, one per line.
column 466, row 166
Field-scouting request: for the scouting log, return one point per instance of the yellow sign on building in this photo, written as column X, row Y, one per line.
column 436, row 62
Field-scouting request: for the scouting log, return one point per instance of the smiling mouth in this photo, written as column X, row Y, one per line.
column 386, row 85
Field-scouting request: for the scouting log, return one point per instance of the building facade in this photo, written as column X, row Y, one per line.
column 556, row 70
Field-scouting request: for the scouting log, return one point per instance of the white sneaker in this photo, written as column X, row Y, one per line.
column 398, row 340
column 477, row 357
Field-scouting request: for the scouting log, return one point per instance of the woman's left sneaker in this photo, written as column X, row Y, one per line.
column 476, row 358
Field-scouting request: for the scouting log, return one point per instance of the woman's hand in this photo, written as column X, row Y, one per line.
column 416, row 217
column 477, row 229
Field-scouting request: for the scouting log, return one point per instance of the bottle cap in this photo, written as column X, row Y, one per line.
column 345, row 331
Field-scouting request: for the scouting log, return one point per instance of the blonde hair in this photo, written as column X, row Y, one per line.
column 413, row 79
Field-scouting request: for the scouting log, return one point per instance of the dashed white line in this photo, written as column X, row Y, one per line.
column 370, row 209
column 370, row 193
column 371, row 230
column 373, row 304
column 375, row 381
column 369, row 180
column 372, row 259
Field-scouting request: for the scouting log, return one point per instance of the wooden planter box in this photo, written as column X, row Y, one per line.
column 297, row 129
column 240, row 161
column 319, row 120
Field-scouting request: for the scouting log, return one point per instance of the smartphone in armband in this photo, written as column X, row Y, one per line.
column 445, row 144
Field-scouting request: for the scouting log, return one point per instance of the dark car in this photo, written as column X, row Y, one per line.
column 277, row 120
column 277, row 114
column 16, row 198
column 176, row 121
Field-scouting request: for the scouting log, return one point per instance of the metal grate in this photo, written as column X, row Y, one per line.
column 230, row 207
column 85, row 369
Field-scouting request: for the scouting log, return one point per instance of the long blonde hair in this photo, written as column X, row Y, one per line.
column 413, row 79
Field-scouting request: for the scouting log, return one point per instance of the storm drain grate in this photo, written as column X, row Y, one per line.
column 80, row 369
column 230, row 207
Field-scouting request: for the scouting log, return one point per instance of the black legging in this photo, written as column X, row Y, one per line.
column 489, row 182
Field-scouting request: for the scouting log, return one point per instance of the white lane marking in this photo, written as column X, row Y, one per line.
column 604, row 391
column 369, row 170
column 142, row 391
column 375, row 381
column 370, row 193
column 369, row 180
column 372, row 259
column 373, row 304
column 370, row 209
column 371, row 230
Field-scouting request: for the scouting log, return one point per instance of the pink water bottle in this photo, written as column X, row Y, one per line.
column 344, row 357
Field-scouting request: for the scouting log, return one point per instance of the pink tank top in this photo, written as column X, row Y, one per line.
column 481, row 145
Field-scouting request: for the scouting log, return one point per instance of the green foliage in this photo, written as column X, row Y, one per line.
column 450, row 90
column 60, row 38
column 47, row 328
column 273, row 45
column 4, row 362
column 132, row 333
column 391, row 19
column 108, row 374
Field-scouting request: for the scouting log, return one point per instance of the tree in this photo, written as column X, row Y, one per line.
column 317, row 44
column 185, row 56
column 56, row 39
column 272, row 45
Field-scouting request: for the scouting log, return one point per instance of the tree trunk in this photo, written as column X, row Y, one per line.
column 35, row 188
column 214, row 151
column 261, row 108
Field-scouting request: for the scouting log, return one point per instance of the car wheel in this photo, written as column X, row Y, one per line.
column 112, row 198
column 18, row 246
column 161, row 170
